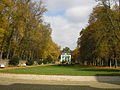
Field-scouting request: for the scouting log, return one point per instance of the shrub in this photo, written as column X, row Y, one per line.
column 45, row 61
column 63, row 62
column 14, row 61
column 73, row 60
column 30, row 62
column 49, row 59
column 39, row 61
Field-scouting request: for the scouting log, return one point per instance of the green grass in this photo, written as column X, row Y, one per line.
column 65, row 70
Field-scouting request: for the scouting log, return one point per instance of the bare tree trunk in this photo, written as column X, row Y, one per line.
column 9, row 44
column 2, row 47
column 9, row 47
column 14, row 52
column 102, row 62
column 96, row 63
column 1, row 54
column 110, row 63
column 115, row 63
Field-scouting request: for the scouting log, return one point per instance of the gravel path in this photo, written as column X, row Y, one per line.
column 57, row 82
column 60, row 78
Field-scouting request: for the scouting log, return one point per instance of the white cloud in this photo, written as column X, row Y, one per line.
column 66, row 27
column 54, row 5
column 78, row 14
column 64, row 33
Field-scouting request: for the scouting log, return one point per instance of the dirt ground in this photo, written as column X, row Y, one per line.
column 53, row 82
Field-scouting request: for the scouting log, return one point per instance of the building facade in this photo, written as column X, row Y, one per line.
column 65, row 57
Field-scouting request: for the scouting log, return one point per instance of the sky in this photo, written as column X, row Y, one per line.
column 67, row 18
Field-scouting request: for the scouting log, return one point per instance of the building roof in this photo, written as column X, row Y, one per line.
column 63, row 53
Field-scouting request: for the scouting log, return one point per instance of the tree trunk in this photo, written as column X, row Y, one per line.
column 101, row 62
column 9, row 43
column 9, row 47
column 14, row 52
column 96, row 63
column 2, row 47
column 110, row 63
column 115, row 63
column 1, row 54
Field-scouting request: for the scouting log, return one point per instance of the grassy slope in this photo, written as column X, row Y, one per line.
column 65, row 70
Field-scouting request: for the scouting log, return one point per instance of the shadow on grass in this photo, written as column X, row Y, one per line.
column 100, row 70
column 103, row 72
column 18, row 86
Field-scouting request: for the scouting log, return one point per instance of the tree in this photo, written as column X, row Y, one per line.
column 100, row 38
column 23, row 32
column 66, row 49
column 14, row 60
column 76, row 55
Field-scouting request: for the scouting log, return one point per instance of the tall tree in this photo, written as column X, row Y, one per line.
column 23, row 31
column 99, row 41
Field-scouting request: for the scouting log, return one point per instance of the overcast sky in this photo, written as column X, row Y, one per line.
column 67, row 18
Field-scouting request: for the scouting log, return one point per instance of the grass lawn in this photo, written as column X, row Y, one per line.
column 65, row 70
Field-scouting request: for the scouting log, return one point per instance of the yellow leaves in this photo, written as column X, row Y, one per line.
column 24, row 29
column 5, row 3
column 21, row 28
column 14, row 43
column 52, row 49
column 2, row 7
column 1, row 32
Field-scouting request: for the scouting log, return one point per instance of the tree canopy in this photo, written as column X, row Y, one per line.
column 99, row 42
column 23, row 31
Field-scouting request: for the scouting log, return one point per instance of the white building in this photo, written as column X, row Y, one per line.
column 65, row 57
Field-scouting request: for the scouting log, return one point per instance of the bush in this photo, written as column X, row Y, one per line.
column 64, row 62
column 45, row 61
column 73, row 60
column 30, row 62
column 39, row 61
column 14, row 61
column 49, row 59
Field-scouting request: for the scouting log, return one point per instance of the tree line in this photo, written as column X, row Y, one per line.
column 99, row 42
column 24, row 33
